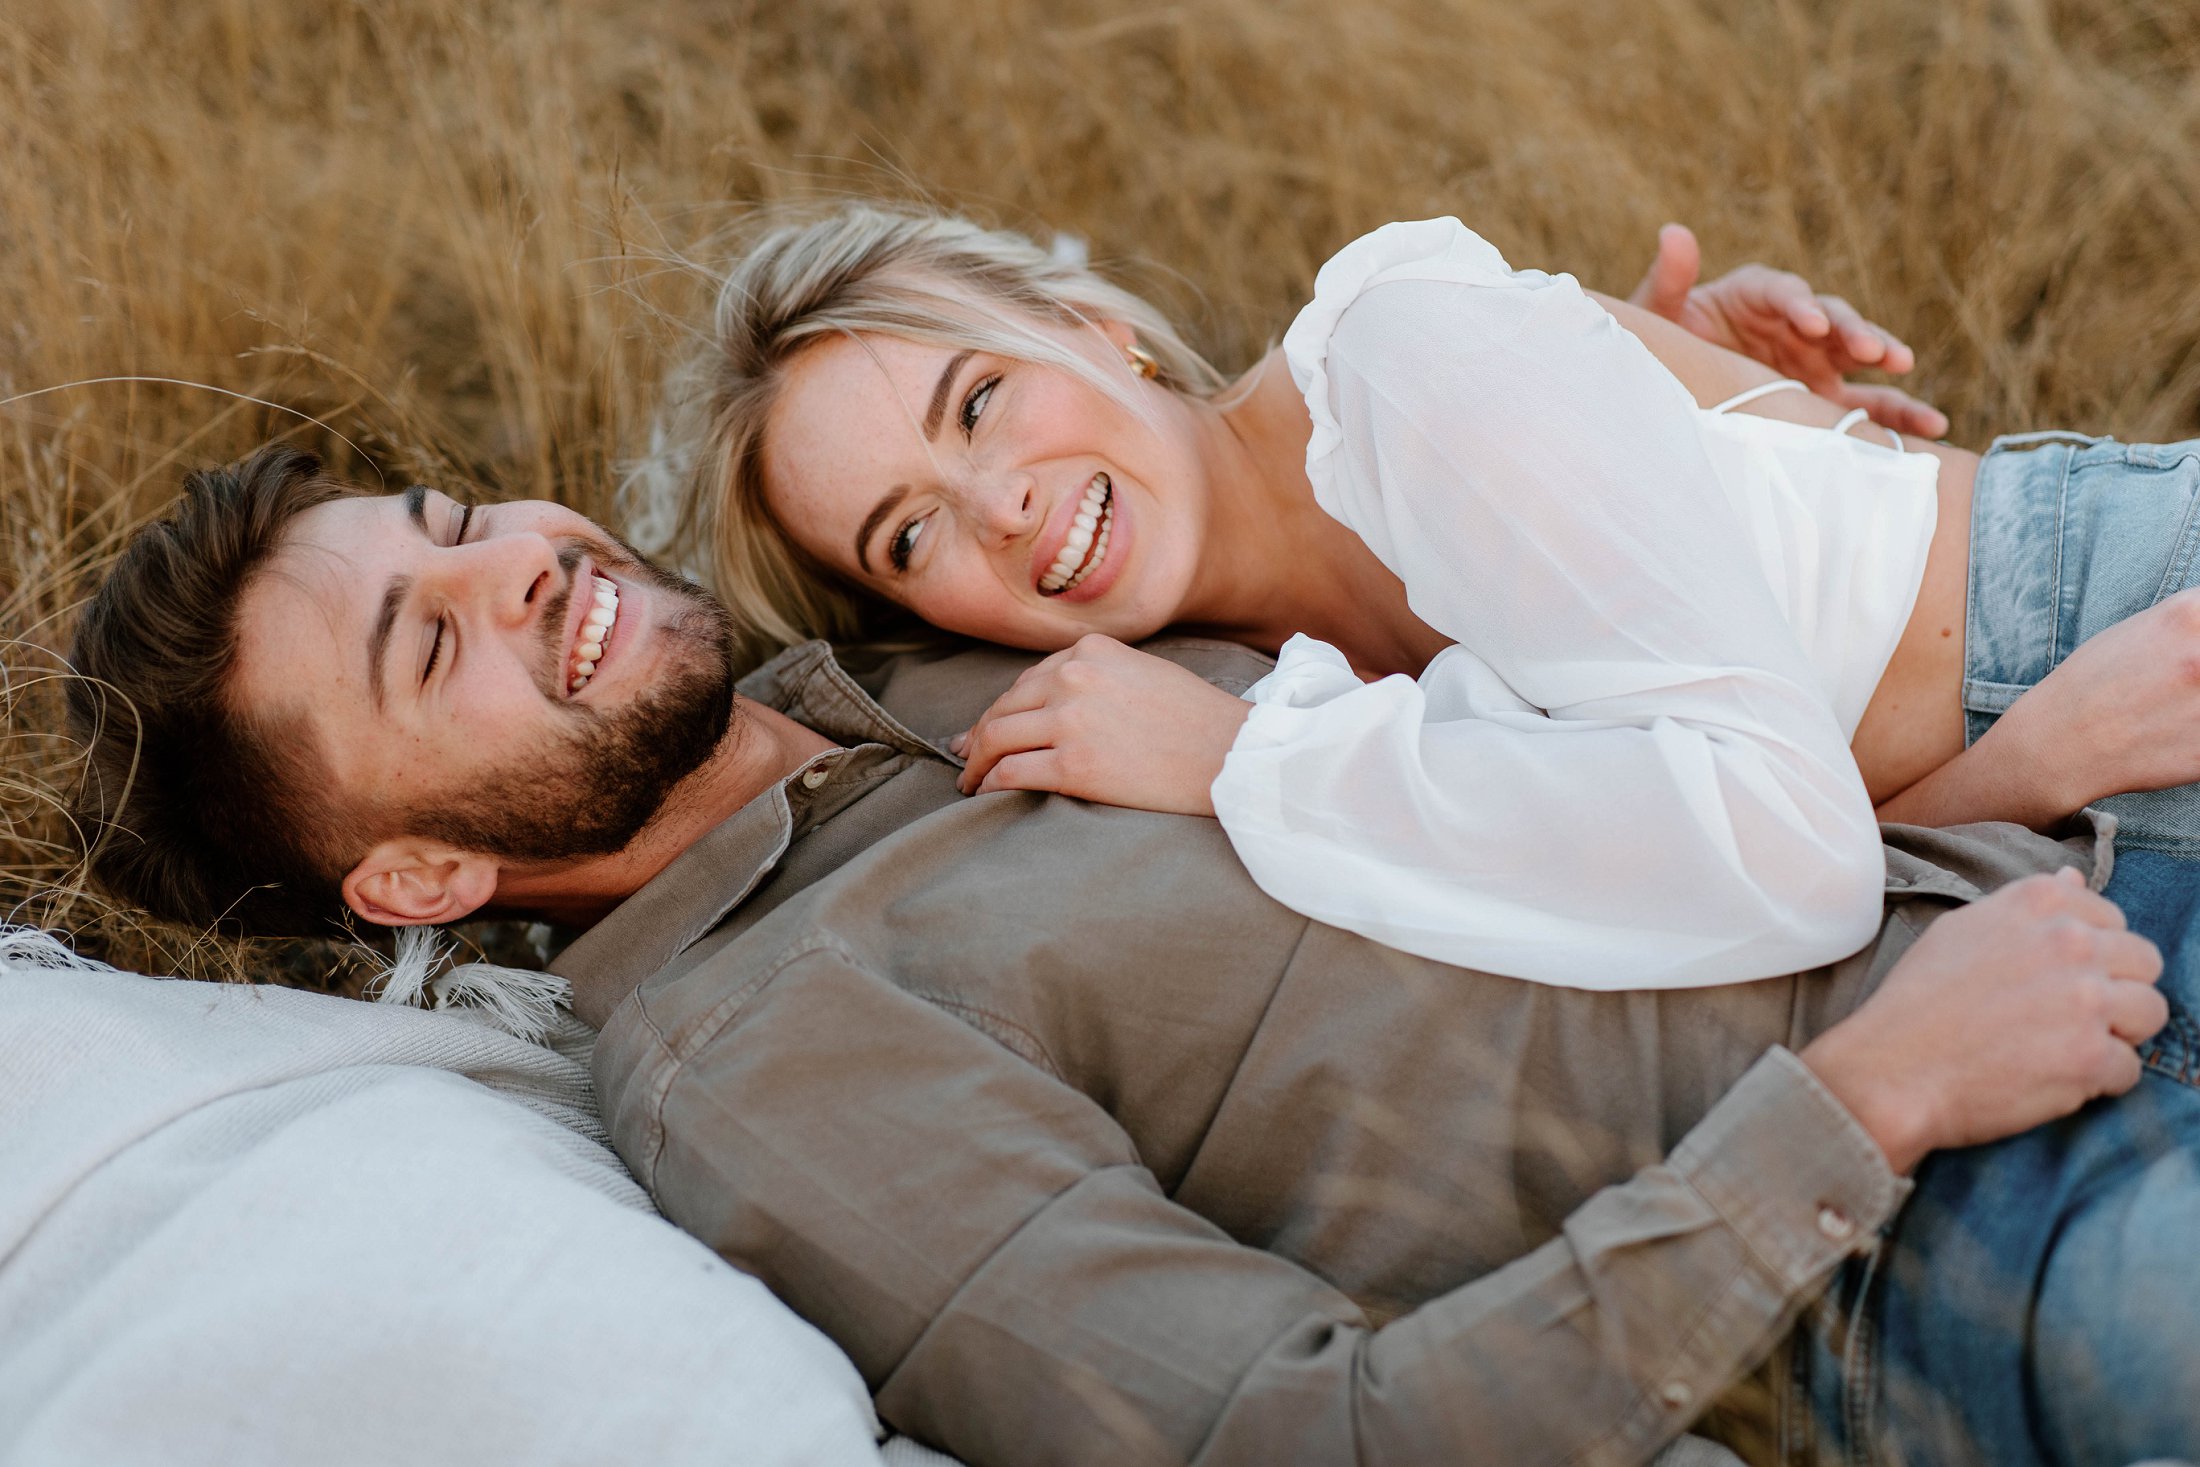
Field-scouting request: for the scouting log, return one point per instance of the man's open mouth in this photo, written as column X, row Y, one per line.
column 587, row 651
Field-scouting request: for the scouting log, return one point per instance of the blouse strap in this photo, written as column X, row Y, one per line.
column 1763, row 389
column 1858, row 415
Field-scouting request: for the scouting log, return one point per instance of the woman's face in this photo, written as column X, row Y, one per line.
column 990, row 496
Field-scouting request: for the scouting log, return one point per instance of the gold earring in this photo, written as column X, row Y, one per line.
column 1142, row 361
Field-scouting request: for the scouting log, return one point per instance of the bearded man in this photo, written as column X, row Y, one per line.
column 1087, row 1151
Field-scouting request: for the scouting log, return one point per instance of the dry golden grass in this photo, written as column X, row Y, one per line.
column 435, row 226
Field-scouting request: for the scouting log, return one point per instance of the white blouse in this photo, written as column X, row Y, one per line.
column 1632, row 771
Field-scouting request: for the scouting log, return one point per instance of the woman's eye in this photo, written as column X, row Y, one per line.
column 974, row 404
column 465, row 518
column 905, row 542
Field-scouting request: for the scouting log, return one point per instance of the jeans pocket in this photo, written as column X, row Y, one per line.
column 2130, row 536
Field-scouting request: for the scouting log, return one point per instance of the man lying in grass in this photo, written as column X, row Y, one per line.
column 1086, row 1150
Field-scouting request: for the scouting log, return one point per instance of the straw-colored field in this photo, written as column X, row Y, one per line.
column 440, row 227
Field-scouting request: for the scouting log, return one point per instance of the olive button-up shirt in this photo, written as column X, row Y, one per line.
column 1086, row 1151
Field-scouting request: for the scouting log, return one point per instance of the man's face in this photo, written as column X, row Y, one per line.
column 438, row 654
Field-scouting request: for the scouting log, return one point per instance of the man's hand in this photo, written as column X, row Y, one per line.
column 2012, row 1012
column 1774, row 317
column 1104, row 722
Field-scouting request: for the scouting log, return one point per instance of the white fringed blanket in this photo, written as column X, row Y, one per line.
column 247, row 1226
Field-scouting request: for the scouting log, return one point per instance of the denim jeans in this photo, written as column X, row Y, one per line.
column 2070, row 535
column 2038, row 1300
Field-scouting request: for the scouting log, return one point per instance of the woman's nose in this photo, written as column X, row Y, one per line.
column 1007, row 505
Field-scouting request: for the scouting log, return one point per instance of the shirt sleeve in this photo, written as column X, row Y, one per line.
column 1016, row 1289
column 1625, row 774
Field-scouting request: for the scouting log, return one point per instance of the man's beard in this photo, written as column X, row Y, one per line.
column 602, row 781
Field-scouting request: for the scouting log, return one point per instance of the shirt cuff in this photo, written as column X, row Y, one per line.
column 1307, row 674
column 1790, row 1170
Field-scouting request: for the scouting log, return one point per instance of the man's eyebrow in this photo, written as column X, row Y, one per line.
column 871, row 522
column 939, row 393
column 393, row 596
column 378, row 640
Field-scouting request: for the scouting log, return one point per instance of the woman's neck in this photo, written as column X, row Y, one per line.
column 1275, row 562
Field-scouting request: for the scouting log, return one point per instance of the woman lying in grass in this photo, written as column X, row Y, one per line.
column 1597, row 642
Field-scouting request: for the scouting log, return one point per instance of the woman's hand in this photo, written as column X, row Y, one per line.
column 1104, row 722
column 1773, row 316
column 2010, row 1013
column 2120, row 713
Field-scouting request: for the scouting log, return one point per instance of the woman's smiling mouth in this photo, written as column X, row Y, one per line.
column 1087, row 543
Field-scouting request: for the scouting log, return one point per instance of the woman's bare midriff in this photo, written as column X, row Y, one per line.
column 1914, row 722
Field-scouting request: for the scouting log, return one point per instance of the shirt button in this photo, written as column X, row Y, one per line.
column 1677, row 1395
column 812, row 778
column 1837, row 1225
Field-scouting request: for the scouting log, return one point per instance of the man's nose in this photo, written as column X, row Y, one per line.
column 510, row 579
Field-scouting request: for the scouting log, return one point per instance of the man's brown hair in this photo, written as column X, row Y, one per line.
column 199, row 811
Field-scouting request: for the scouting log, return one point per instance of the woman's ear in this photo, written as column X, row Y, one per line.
column 407, row 882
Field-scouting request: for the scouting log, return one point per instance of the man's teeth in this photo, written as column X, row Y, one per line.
column 1088, row 532
column 595, row 629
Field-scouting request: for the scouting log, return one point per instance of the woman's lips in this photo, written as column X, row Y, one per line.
column 1085, row 543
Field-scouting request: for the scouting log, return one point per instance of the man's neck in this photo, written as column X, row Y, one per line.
column 762, row 746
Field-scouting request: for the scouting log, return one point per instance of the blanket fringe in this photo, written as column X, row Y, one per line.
column 35, row 948
column 522, row 1004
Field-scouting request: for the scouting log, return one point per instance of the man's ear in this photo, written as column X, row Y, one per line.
column 409, row 881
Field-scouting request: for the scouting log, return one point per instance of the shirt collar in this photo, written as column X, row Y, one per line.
column 717, row 873
column 809, row 686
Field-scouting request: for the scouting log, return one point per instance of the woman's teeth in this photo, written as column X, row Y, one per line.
column 1087, row 544
column 595, row 629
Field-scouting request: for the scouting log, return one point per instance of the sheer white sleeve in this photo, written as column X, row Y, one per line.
column 1624, row 776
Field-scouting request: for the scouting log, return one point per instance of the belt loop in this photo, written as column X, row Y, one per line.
column 1860, row 1360
column 2042, row 437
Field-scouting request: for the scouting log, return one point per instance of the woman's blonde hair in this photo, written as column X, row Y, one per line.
column 922, row 276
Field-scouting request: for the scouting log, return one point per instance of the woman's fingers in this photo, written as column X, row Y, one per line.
column 1664, row 287
column 1000, row 736
column 1868, row 343
column 1033, row 769
column 1790, row 295
column 1033, row 688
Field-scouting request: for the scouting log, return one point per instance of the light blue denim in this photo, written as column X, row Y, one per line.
column 2037, row 1302
column 2070, row 535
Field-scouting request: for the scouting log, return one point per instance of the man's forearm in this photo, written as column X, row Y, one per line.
column 1700, row 1265
column 983, row 1242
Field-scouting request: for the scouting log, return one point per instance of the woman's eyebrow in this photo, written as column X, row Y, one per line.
column 873, row 520
column 933, row 413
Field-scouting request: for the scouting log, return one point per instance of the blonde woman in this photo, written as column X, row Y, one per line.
column 1597, row 642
